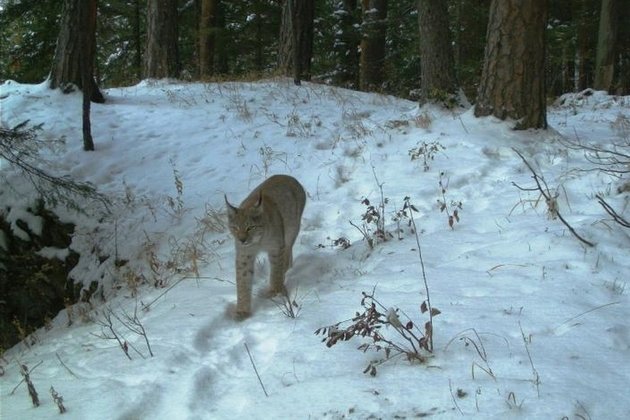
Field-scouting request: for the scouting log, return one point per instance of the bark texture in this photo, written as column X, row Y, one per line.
column 69, row 60
column 296, row 29
column 87, row 25
column 207, row 36
column 513, row 75
column 162, row 53
column 372, row 44
column 606, row 42
column 437, row 78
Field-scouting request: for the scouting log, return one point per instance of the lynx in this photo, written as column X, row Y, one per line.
column 268, row 220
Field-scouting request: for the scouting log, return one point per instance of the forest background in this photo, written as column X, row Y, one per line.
column 214, row 39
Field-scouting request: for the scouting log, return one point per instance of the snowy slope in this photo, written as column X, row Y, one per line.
column 533, row 323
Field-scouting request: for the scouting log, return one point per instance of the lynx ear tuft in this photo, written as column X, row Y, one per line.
column 259, row 201
column 230, row 207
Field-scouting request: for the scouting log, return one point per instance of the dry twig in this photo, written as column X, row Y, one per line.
column 616, row 216
column 541, row 186
column 251, row 359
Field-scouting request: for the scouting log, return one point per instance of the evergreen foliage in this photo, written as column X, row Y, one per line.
column 247, row 36
column 28, row 35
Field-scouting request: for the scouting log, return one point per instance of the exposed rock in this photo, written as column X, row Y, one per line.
column 34, row 281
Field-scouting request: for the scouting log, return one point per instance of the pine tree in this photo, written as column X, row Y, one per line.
column 437, row 75
column 207, row 36
column 162, row 50
column 513, row 76
column 72, row 61
column 606, row 45
column 372, row 62
column 296, row 28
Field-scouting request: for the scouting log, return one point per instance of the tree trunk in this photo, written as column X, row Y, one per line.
column 207, row 36
column 286, row 43
column 513, row 75
column 258, row 45
column 583, row 63
column 137, row 59
column 372, row 59
column 162, row 54
column 437, row 70
column 606, row 42
column 69, row 60
column 222, row 43
column 87, row 25
column 346, row 44
column 296, row 28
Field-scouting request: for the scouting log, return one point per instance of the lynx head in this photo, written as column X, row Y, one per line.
column 245, row 223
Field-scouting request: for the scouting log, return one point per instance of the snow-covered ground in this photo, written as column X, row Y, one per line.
column 533, row 323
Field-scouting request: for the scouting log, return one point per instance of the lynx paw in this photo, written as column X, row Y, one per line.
column 238, row 315
column 274, row 291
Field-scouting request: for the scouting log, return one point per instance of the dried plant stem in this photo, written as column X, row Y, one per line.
column 23, row 378
column 107, row 324
column 58, row 399
column 526, row 341
column 26, row 374
column 251, row 359
column 540, row 181
column 562, row 325
column 65, row 366
column 424, row 277
column 133, row 324
column 381, row 219
column 450, row 387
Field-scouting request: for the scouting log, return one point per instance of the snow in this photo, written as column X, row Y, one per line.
column 533, row 323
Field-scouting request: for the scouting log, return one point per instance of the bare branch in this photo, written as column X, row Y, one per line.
column 549, row 198
column 20, row 147
column 616, row 216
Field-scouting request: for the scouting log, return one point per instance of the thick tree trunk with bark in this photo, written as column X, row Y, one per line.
column 513, row 76
column 69, row 60
column 437, row 69
column 606, row 43
column 372, row 44
column 207, row 36
column 162, row 53
column 137, row 38
column 585, row 33
column 296, row 28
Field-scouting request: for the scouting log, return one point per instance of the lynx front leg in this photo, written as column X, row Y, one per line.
column 244, row 275
column 278, row 261
column 288, row 258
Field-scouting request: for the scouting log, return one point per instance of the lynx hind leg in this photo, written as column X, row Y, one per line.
column 278, row 263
